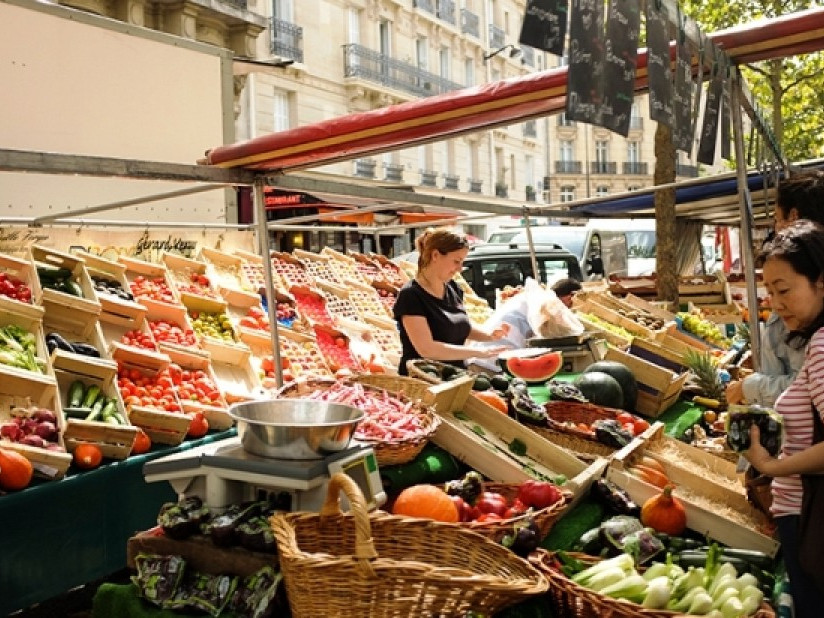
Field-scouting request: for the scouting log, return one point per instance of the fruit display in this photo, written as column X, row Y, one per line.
column 255, row 319
column 195, row 385
column 167, row 331
column 225, row 270
column 703, row 329
column 312, row 306
column 16, row 471
column 298, row 358
column 251, row 274
column 367, row 302
column 319, row 268
column 603, row 324
column 139, row 339
column 152, row 288
column 391, row 272
column 14, row 288
column 192, row 282
column 624, row 376
column 335, row 349
column 601, row 389
column 368, row 270
column 387, row 340
column 88, row 402
column 144, row 389
column 214, row 325
column 344, row 268
column 18, row 348
column 340, row 307
column 387, row 298
column 112, row 287
column 33, row 426
column 532, row 366
column 291, row 271
column 477, row 309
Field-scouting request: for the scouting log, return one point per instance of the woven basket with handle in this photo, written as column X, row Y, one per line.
column 388, row 453
column 397, row 385
column 377, row 565
column 573, row 601
column 414, row 371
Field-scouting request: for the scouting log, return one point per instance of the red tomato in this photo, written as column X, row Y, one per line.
column 624, row 418
column 516, row 509
column 489, row 517
column 198, row 426
column 538, row 494
column 491, row 502
column 640, row 426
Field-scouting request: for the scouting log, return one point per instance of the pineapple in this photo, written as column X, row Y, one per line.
column 705, row 368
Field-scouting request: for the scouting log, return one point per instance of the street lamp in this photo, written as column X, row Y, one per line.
column 514, row 52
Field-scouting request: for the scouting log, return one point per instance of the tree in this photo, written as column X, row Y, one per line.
column 790, row 91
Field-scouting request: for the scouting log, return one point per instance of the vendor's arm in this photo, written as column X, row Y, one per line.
column 417, row 328
column 476, row 334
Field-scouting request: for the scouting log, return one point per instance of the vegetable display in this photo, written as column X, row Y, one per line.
column 112, row 287
column 665, row 513
column 55, row 341
column 59, row 279
column 15, row 470
column 33, row 426
column 88, row 402
column 426, row 501
column 14, row 288
column 741, row 418
column 18, row 348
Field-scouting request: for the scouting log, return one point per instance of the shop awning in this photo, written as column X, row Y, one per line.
column 484, row 107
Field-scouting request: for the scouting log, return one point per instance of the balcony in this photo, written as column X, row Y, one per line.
column 475, row 186
column 446, row 11
column 531, row 129
column 497, row 37
column 636, row 168
column 429, row 178
column 287, row 40
column 371, row 66
column 529, row 194
column 528, row 55
column 567, row 167
column 603, row 167
column 636, row 123
column 690, row 171
column 450, row 182
column 424, row 5
column 365, row 168
column 563, row 121
column 470, row 23
column 392, row 172
column 501, row 189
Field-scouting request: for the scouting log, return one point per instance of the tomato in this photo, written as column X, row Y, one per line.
column 624, row 418
column 492, row 502
column 489, row 517
column 640, row 426
column 198, row 426
column 516, row 509
column 142, row 443
column 538, row 494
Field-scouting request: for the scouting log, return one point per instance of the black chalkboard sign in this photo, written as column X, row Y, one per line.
column 621, row 52
column 545, row 25
column 725, row 117
column 658, row 66
column 682, row 97
column 715, row 93
column 586, row 61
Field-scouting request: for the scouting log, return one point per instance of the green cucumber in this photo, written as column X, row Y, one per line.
column 73, row 288
column 76, row 391
column 52, row 274
column 91, row 395
column 109, row 409
column 76, row 412
column 97, row 410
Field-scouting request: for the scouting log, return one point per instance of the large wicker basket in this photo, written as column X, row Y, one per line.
column 498, row 529
column 414, row 371
column 388, row 453
column 582, row 443
column 362, row 566
column 413, row 388
column 573, row 601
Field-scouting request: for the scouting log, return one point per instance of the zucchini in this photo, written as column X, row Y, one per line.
column 97, row 410
column 756, row 558
column 91, row 396
column 76, row 391
column 52, row 274
column 73, row 288
column 109, row 410
column 79, row 413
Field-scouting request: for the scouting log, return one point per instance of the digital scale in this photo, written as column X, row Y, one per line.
column 223, row 473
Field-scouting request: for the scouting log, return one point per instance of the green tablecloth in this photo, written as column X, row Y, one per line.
column 57, row 535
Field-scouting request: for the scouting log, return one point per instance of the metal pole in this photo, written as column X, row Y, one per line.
column 532, row 259
column 745, row 203
column 271, row 299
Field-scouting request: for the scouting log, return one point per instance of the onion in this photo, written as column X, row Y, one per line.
column 42, row 415
column 46, row 430
column 11, row 431
column 33, row 440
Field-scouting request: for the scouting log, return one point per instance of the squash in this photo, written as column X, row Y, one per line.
column 665, row 513
column 87, row 456
column 15, row 470
column 426, row 501
column 493, row 399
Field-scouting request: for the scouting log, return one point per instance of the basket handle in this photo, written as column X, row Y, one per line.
column 364, row 547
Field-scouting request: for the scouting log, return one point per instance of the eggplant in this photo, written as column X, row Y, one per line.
column 54, row 341
column 469, row 488
column 741, row 418
column 609, row 432
column 525, row 540
column 614, row 498
column 84, row 349
column 523, row 407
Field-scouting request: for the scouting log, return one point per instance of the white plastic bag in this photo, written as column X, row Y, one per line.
column 549, row 317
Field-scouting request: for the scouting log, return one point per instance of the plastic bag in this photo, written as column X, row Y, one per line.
column 513, row 312
column 548, row 316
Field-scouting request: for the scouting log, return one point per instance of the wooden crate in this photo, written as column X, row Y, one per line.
column 338, row 303
column 306, row 298
column 237, row 381
column 719, row 314
column 252, row 275
column 226, row 271
column 149, row 270
column 686, row 339
column 113, row 308
column 114, row 441
column 658, row 388
column 480, row 436
column 638, row 286
column 181, row 270
column 659, row 353
column 328, row 340
column 217, row 415
column 392, row 272
column 22, row 270
column 78, row 331
column 33, row 325
column 609, row 336
column 174, row 314
column 21, row 391
column 707, row 485
column 591, row 306
column 63, row 302
column 305, row 357
column 319, row 267
column 344, row 267
column 368, row 269
column 161, row 426
column 291, row 270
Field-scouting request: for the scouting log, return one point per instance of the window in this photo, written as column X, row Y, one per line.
column 280, row 111
column 422, row 52
column 567, row 193
column 601, row 190
column 385, row 37
column 633, row 152
column 551, row 271
column 282, row 9
column 498, row 273
column 567, row 149
column 633, row 188
column 529, row 171
column 601, row 151
column 469, row 72
column 354, row 25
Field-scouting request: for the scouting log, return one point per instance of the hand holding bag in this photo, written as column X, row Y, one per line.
column 810, row 528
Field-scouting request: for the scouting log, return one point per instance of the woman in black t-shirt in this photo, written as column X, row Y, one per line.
column 429, row 309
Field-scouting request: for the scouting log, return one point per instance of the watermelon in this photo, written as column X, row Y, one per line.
column 601, row 389
column 534, row 368
column 625, row 377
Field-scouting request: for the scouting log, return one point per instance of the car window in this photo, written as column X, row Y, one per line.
column 498, row 273
column 554, row 269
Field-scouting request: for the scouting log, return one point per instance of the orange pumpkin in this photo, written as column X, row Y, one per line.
column 664, row 513
column 426, row 501
column 15, row 470
column 87, row 456
column 493, row 399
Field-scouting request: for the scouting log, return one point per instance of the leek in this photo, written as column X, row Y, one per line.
column 658, row 593
column 623, row 561
column 725, row 572
column 632, row 588
column 606, row 578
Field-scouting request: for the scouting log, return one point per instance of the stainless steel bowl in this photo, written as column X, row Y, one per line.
column 294, row 428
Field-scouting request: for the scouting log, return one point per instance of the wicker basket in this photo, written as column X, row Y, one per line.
column 414, row 372
column 573, row 601
column 397, row 385
column 585, row 449
column 381, row 565
column 544, row 518
column 387, row 453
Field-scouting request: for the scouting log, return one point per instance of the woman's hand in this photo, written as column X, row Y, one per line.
column 734, row 393
column 757, row 455
column 500, row 332
column 490, row 351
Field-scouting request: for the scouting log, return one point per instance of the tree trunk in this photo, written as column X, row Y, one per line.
column 776, row 67
column 665, row 264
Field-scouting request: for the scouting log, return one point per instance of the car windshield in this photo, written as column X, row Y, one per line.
column 641, row 244
column 570, row 238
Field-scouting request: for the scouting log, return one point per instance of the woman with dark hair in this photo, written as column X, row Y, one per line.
column 793, row 268
column 429, row 310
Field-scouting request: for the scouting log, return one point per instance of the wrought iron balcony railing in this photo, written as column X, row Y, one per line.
column 638, row 168
column 287, row 40
column 365, row 168
column 475, row 186
column 497, row 37
column 393, row 172
column 690, row 171
column 531, row 128
column 470, row 23
column 450, row 181
column 603, row 167
column 381, row 69
column 567, row 167
column 429, row 178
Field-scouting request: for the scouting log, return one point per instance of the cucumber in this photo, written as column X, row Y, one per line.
column 52, row 274
column 76, row 391
column 91, row 395
column 756, row 558
column 109, row 410
column 97, row 410
column 73, row 288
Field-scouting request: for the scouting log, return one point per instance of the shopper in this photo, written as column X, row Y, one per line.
column 565, row 289
column 429, row 309
column 799, row 197
column 793, row 267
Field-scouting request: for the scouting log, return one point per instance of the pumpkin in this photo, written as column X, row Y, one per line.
column 426, row 501
column 15, row 470
column 87, row 456
column 664, row 513
column 493, row 399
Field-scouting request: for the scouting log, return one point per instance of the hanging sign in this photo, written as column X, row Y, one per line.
column 586, row 64
column 623, row 25
column 725, row 116
column 682, row 98
column 545, row 24
column 658, row 66
column 709, row 131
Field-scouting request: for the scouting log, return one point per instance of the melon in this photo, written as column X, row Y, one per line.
column 601, row 389
column 625, row 377
column 534, row 368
